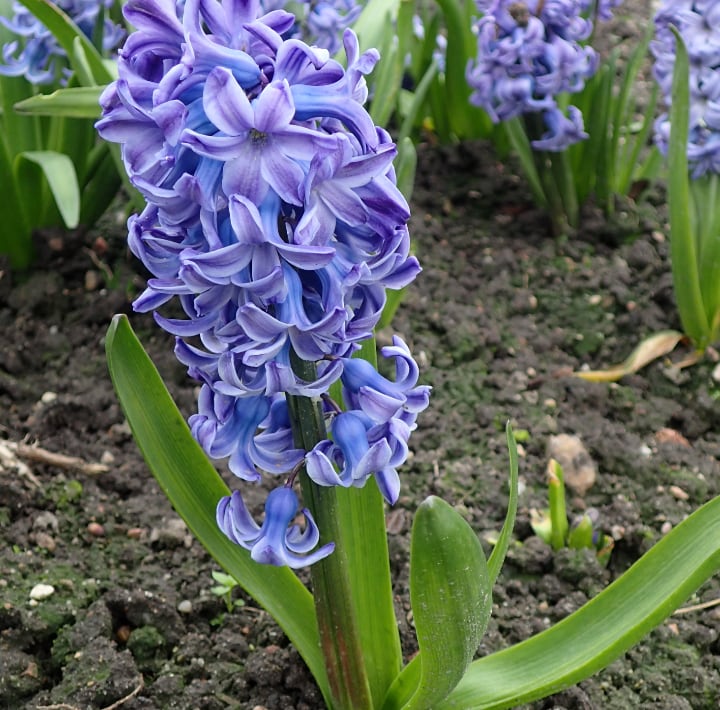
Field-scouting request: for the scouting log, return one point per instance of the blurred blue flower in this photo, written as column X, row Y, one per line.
column 699, row 26
column 273, row 217
column 37, row 55
column 528, row 53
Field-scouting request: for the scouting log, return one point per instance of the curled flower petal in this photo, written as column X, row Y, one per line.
column 278, row 541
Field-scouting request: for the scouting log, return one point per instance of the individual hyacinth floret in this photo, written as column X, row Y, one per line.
column 528, row 53
column 274, row 218
column 699, row 26
column 37, row 55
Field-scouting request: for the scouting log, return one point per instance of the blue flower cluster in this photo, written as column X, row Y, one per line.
column 699, row 25
column 274, row 218
column 37, row 55
column 528, row 53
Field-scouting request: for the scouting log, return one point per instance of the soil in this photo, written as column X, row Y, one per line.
column 501, row 317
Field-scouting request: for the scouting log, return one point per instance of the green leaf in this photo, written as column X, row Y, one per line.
column 521, row 145
column 451, row 598
column 387, row 78
column 558, row 512
column 372, row 25
column 603, row 629
column 405, row 167
column 78, row 102
column 194, row 487
column 497, row 556
column 683, row 253
column 16, row 233
column 61, row 177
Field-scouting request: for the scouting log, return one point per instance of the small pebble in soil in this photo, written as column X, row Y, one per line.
column 95, row 529
column 47, row 542
column 577, row 465
column 185, row 606
column 48, row 397
column 41, row 591
column 666, row 527
column 679, row 493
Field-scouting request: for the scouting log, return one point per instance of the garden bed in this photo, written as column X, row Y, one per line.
column 499, row 320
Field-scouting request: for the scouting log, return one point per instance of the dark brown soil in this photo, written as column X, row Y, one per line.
column 498, row 320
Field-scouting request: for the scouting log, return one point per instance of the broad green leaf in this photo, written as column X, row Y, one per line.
column 61, row 177
column 408, row 681
column 194, row 487
column 683, row 252
column 78, row 102
column 67, row 32
column 603, row 629
column 451, row 598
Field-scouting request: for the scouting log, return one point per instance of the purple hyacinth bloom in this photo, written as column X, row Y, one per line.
column 371, row 438
column 528, row 53
column 699, row 26
column 37, row 55
column 274, row 218
column 278, row 541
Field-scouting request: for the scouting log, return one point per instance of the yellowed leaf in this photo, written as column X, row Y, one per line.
column 650, row 349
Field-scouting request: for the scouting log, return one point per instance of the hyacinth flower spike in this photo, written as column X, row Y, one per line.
column 530, row 56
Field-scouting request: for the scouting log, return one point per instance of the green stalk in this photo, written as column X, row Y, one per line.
column 332, row 577
column 683, row 242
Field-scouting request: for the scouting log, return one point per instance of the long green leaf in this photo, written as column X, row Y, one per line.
column 78, row 102
column 61, row 177
column 194, row 487
column 450, row 591
column 603, row 629
column 683, row 253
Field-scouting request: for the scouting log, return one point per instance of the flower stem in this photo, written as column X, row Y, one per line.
column 340, row 636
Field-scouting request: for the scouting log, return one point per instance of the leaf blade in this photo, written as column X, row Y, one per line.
column 607, row 626
column 193, row 487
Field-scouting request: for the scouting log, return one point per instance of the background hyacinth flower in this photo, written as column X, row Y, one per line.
column 273, row 217
column 687, row 69
column 565, row 114
column 528, row 54
column 36, row 54
column 699, row 25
